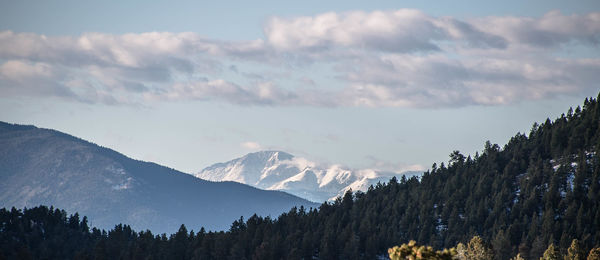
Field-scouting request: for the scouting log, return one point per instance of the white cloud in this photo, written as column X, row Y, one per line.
column 402, row 58
column 23, row 78
column 19, row 70
column 404, row 30
column 250, row 145
column 550, row 30
column 408, row 30
column 438, row 81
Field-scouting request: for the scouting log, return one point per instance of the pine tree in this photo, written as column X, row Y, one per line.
column 594, row 254
column 413, row 251
column 551, row 253
column 574, row 252
column 477, row 250
column 518, row 257
column 501, row 245
column 461, row 251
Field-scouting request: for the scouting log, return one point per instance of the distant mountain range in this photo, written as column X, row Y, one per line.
column 276, row 170
column 42, row 166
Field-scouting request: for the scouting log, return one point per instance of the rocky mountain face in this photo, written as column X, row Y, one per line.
column 46, row 167
column 276, row 170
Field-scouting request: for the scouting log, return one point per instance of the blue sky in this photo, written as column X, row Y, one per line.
column 392, row 85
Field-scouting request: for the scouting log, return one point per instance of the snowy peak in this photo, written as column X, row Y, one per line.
column 277, row 170
column 267, row 156
column 253, row 169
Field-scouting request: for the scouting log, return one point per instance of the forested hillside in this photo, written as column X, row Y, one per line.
column 538, row 189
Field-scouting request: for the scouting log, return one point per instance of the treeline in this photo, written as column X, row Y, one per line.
column 539, row 189
column 47, row 233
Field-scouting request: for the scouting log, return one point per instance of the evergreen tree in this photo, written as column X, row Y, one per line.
column 594, row 254
column 413, row 251
column 478, row 250
column 574, row 252
column 551, row 253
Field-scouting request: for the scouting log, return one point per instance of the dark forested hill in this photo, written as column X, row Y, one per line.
column 41, row 166
column 539, row 188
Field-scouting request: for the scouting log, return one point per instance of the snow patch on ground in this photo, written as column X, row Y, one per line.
column 124, row 185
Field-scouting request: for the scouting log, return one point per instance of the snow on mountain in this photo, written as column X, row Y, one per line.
column 276, row 170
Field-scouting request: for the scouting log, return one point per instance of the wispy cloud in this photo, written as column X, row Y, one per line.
column 402, row 58
column 386, row 166
column 250, row 145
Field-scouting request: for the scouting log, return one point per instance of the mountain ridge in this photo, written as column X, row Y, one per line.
column 45, row 166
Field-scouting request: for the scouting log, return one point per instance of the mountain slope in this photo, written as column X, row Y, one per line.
column 539, row 189
column 41, row 166
column 276, row 170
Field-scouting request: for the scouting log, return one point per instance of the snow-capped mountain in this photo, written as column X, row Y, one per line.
column 276, row 170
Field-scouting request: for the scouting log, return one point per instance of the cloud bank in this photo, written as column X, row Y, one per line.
column 401, row 58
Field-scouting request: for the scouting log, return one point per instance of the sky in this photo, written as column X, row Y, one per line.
column 388, row 85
